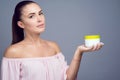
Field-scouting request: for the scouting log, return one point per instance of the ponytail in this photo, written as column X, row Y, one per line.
column 17, row 32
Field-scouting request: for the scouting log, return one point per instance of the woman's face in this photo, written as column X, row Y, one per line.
column 32, row 19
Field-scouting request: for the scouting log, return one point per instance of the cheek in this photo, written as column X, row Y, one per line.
column 30, row 23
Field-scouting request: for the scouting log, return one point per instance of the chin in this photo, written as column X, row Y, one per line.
column 41, row 31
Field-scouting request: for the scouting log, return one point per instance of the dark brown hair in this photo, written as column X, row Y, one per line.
column 17, row 32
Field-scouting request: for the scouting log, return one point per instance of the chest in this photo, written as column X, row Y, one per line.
column 43, row 51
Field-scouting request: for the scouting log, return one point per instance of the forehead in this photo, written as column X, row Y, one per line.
column 31, row 8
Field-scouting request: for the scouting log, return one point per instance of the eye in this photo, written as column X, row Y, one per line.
column 31, row 16
column 40, row 13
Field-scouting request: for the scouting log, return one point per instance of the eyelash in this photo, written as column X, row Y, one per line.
column 33, row 15
column 41, row 13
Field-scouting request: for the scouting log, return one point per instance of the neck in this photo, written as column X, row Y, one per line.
column 33, row 38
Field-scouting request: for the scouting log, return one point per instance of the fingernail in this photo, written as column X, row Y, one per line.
column 102, row 43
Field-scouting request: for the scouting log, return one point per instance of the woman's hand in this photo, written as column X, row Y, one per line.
column 82, row 48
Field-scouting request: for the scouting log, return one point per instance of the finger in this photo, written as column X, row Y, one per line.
column 98, row 46
column 93, row 48
column 101, row 44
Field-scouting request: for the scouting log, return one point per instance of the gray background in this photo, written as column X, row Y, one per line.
column 67, row 22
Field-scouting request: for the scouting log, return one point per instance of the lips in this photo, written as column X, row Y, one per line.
column 41, row 26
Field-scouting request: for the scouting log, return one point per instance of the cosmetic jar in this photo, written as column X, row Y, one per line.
column 91, row 40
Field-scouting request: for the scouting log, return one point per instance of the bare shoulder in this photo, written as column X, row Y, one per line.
column 54, row 45
column 12, row 51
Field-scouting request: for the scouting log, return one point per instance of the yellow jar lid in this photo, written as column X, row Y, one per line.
column 92, row 37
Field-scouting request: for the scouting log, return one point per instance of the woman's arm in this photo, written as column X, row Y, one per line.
column 73, row 69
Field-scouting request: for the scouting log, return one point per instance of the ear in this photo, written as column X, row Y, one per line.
column 20, row 24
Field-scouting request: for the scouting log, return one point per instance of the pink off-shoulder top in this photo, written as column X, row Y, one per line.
column 41, row 68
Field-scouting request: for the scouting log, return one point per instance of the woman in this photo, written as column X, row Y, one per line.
column 31, row 58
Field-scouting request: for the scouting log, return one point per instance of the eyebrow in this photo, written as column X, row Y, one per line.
column 34, row 13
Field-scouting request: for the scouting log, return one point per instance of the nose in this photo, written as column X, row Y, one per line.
column 39, row 18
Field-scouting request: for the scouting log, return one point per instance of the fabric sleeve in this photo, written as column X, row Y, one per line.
column 10, row 69
column 64, row 67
